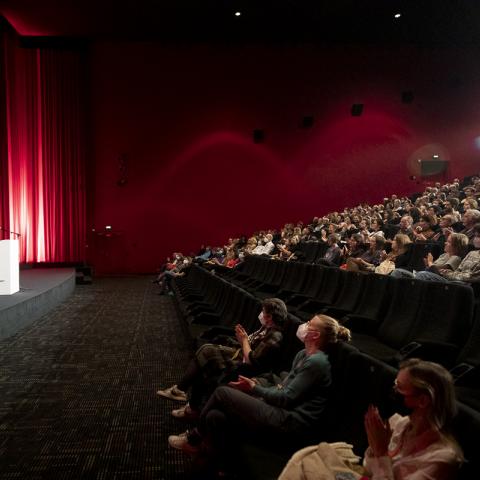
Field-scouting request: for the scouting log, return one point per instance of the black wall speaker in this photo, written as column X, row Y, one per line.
column 308, row 121
column 258, row 135
column 429, row 168
column 407, row 97
column 357, row 109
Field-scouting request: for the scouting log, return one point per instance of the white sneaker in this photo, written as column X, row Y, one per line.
column 179, row 412
column 180, row 442
column 185, row 413
column 173, row 393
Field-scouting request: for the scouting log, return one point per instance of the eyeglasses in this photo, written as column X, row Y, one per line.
column 398, row 389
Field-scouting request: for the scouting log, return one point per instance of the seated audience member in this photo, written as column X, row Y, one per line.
column 466, row 202
column 178, row 270
column 266, row 248
column 354, row 247
column 455, row 249
column 376, row 227
column 249, row 354
column 204, row 255
column 402, row 249
column 418, row 446
column 370, row 259
column 333, row 255
column 294, row 409
column 450, row 208
column 446, row 228
column 470, row 203
column 467, row 271
column 414, row 212
column 399, row 256
column 426, row 228
column 406, row 223
column 323, row 236
column 308, row 236
column 231, row 259
column 287, row 250
column 470, row 218
column 251, row 245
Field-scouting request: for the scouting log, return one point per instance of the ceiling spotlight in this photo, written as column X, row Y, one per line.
column 237, row 14
column 397, row 15
column 435, row 156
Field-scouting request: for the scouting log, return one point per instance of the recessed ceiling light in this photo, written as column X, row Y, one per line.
column 237, row 14
column 435, row 156
column 397, row 15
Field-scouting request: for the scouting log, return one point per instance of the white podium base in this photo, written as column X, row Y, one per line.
column 9, row 267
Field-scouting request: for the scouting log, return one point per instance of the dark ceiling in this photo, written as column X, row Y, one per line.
column 445, row 22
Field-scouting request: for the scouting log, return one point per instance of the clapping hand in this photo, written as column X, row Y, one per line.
column 378, row 432
column 428, row 260
column 244, row 384
column 240, row 333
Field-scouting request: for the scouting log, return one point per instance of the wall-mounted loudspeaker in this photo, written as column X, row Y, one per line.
column 407, row 97
column 430, row 168
column 308, row 121
column 357, row 109
column 258, row 135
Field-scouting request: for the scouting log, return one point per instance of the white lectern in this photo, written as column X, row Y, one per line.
column 9, row 267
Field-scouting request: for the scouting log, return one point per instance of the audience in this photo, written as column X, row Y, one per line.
column 467, row 271
column 291, row 409
column 417, row 446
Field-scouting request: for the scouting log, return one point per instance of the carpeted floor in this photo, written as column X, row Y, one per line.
column 77, row 387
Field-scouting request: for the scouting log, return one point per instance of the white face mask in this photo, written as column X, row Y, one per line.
column 261, row 318
column 302, row 331
column 185, row 262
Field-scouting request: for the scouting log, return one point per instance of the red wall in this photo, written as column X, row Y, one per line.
column 182, row 118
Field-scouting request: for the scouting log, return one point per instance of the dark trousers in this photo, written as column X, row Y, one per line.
column 230, row 414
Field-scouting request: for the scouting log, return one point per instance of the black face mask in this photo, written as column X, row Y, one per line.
column 397, row 401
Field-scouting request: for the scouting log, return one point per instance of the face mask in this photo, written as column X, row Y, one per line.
column 185, row 262
column 397, row 401
column 302, row 331
column 261, row 318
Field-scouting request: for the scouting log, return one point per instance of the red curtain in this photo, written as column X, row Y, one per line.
column 45, row 151
column 4, row 203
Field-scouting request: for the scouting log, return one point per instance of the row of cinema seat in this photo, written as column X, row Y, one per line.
column 391, row 319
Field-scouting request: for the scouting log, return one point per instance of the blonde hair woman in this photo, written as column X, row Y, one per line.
column 418, row 446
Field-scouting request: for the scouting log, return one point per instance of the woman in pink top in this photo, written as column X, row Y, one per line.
column 418, row 446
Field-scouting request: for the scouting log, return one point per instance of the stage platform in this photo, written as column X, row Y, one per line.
column 41, row 289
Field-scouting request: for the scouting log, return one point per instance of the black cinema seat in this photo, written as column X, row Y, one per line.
column 349, row 296
column 333, row 279
column 373, row 303
column 313, row 285
column 393, row 332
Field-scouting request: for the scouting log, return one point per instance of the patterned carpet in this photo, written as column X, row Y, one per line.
column 77, row 387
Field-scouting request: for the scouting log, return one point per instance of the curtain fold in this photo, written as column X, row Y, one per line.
column 4, row 191
column 45, row 151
